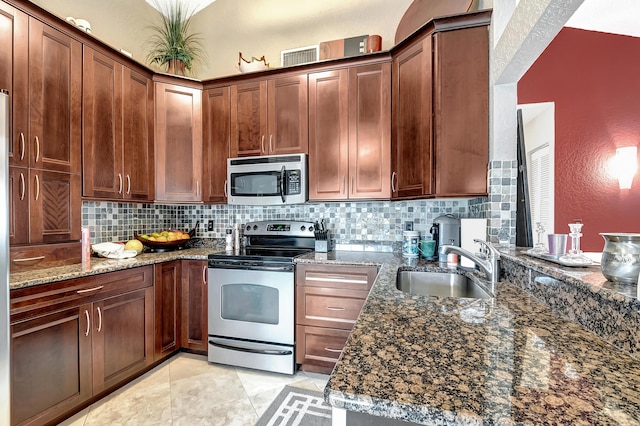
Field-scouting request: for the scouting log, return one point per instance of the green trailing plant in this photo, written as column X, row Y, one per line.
column 171, row 40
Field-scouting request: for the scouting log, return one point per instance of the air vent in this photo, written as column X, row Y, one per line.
column 301, row 55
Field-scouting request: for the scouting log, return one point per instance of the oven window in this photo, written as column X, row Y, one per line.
column 250, row 303
column 255, row 184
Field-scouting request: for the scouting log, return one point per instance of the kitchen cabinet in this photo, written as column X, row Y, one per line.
column 75, row 339
column 216, row 111
column 270, row 117
column 440, row 139
column 167, row 289
column 350, row 133
column 194, row 305
column 117, row 129
column 328, row 301
column 43, row 68
column 178, row 143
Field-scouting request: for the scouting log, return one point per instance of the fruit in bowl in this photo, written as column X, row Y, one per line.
column 166, row 236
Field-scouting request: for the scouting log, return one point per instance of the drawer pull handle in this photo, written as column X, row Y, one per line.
column 337, row 351
column 336, row 278
column 86, row 314
column 99, row 319
column 89, row 290
column 335, row 308
column 28, row 259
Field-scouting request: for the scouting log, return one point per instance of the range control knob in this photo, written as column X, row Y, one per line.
column 311, row 229
column 248, row 227
column 255, row 227
column 302, row 228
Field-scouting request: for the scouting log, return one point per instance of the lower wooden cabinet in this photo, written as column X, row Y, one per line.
column 194, row 305
column 167, row 286
column 74, row 339
column 328, row 301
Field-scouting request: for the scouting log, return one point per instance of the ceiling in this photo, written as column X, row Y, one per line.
column 616, row 17
column 266, row 27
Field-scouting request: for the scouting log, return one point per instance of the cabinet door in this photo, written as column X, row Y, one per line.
column 122, row 330
column 318, row 348
column 55, row 99
column 194, row 305
column 137, row 96
column 178, row 143
column 50, row 364
column 328, row 135
column 167, row 279
column 411, row 149
column 216, row 110
column 369, row 131
column 102, row 174
column 461, row 116
column 287, row 116
column 18, row 205
column 54, row 206
column 248, row 119
column 14, row 64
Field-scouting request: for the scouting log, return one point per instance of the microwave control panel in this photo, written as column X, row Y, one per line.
column 294, row 184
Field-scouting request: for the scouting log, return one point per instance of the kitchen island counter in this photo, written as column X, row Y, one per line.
column 99, row 265
column 506, row 360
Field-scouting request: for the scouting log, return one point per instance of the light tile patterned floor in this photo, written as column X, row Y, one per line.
column 187, row 390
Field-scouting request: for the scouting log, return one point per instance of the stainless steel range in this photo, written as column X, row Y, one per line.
column 251, row 297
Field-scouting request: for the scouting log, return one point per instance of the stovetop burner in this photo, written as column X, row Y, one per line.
column 272, row 241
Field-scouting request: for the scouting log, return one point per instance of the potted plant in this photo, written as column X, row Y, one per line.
column 171, row 43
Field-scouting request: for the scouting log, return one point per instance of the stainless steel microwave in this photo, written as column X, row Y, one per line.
column 267, row 180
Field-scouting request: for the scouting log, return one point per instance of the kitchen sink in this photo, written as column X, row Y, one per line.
column 441, row 284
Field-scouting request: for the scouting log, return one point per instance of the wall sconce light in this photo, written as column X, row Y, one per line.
column 626, row 165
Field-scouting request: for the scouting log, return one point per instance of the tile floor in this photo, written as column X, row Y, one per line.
column 187, row 390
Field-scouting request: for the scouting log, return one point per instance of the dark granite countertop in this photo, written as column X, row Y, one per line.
column 99, row 265
column 507, row 360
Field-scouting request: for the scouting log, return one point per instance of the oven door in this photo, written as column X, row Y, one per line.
column 252, row 304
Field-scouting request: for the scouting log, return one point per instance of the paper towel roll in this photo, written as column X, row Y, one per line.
column 471, row 229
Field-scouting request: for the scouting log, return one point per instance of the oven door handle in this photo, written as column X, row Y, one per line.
column 283, row 174
column 253, row 351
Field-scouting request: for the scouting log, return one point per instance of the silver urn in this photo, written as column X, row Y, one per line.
column 621, row 257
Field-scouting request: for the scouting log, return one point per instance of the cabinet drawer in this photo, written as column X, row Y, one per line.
column 36, row 300
column 318, row 349
column 328, row 307
column 336, row 276
column 28, row 258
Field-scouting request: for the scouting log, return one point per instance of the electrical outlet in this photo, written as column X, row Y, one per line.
column 408, row 226
column 210, row 225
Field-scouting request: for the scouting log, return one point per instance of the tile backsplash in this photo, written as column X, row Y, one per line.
column 374, row 224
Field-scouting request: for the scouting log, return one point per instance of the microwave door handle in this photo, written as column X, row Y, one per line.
column 282, row 177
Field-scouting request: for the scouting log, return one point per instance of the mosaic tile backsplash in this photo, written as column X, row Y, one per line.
column 375, row 224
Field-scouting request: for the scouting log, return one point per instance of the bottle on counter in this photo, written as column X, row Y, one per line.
column 229, row 240
column 238, row 236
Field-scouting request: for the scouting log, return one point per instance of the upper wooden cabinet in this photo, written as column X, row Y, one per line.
column 216, row 121
column 178, row 143
column 55, row 102
column 440, row 138
column 117, row 130
column 42, row 68
column 269, row 117
column 349, row 138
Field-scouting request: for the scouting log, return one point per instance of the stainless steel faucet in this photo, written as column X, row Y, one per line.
column 488, row 260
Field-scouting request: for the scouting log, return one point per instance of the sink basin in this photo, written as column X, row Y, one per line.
column 441, row 284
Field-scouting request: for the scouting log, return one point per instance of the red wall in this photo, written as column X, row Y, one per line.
column 594, row 80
